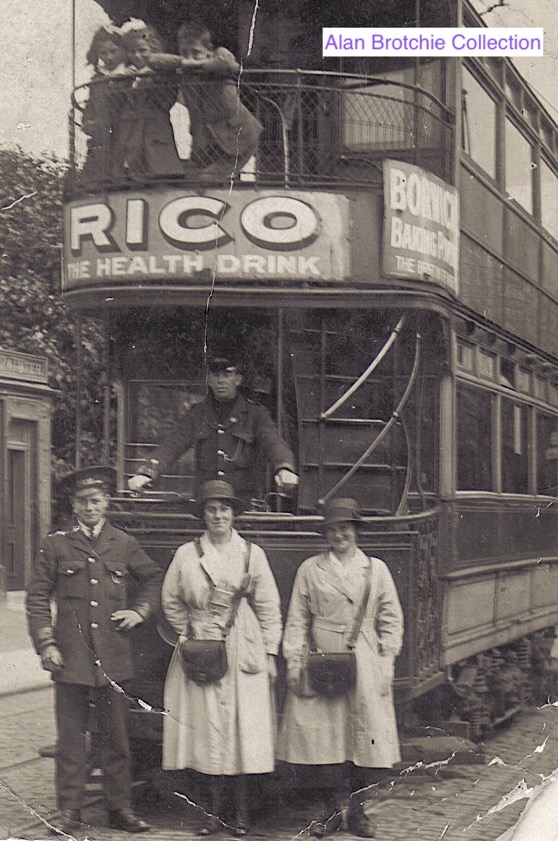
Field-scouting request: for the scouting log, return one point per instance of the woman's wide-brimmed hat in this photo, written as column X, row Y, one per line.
column 219, row 489
column 341, row 511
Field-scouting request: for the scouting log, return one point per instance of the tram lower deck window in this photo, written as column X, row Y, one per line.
column 515, row 448
column 474, row 439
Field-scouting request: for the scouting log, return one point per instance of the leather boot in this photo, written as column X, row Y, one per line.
column 242, row 797
column 359, row 823
column 213, row 822
column 333, row 816
column 66, row 822
column 127, row 820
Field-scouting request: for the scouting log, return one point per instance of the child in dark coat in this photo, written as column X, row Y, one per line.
column 107, row 96
column 145, row 142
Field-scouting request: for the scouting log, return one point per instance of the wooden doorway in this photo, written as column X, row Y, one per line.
column 22, row 502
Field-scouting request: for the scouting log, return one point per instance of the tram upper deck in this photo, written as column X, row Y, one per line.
column 320, row 130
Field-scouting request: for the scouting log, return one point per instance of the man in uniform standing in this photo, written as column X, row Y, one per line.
column 86, row 571
column 228, row 432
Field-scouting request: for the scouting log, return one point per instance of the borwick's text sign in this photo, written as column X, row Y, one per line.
column 421, row 226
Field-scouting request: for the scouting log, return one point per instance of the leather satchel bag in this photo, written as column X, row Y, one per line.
column 205, row 661
column 333, row 674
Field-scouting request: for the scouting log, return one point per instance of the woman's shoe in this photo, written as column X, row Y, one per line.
column 211, row 826
column 321, row 829
column 359, row 822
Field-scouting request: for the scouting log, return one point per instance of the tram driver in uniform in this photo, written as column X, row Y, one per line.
column 228, row 432
column 87, row 649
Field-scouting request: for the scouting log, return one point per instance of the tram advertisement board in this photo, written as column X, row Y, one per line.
column 180, row 235
column 421, row 226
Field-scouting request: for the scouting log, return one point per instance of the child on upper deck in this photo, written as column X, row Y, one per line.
column 145, row 142
column 107, row 96
column 224, row 132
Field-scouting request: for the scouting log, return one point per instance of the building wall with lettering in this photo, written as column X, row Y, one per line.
column 25, row 464
column 23, row 366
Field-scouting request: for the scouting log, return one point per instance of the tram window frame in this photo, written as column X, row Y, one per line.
column 546, row 132
column 486, row 371
column 523, row 193
column 482, row 479
column 540, row 388
column 515, row 446
column 133, row 387
column 508, row 373
column 549, row 215
column 523, row 380
column 182, row 475
column 324, row 367
column 465, row 356
column 544, row 442
column 513, row 90
column 510, row 467
column 516, row 110
column 473, row 124
column 354, row 134
column 530, row 113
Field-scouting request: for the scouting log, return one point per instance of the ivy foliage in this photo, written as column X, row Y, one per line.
column 33, row 315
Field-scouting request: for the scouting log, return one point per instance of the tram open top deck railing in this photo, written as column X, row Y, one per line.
column 319, row 130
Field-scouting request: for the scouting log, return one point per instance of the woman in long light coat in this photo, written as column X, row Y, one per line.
column 356, row 731
column 224, row 729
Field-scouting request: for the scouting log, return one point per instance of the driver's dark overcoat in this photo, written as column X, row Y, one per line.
column 226, row 448
column 88, row 581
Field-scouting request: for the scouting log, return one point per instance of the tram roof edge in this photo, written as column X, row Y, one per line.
column 111, row 298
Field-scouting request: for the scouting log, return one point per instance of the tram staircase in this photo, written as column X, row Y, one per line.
column 328, row 448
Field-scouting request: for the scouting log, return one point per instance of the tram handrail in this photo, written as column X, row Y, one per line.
column 377, row 441
column 319, row 128
column 364, row 376
column 274, row 516
column 357, row 77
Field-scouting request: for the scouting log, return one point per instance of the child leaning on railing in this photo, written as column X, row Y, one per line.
column 107, row 97
column 144, row 143
column 224, row 132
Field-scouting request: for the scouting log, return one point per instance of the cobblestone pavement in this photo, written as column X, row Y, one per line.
column 443, row 802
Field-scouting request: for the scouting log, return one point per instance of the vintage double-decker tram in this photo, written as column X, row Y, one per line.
column 386, row 266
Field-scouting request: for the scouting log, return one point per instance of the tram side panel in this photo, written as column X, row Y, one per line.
column 504, row 584
column 499, row 585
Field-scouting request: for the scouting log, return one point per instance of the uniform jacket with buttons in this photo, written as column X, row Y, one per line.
column 224, row 450
column 88, row 581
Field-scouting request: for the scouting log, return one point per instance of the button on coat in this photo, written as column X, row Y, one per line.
column 228, row 449
column 88, row 585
